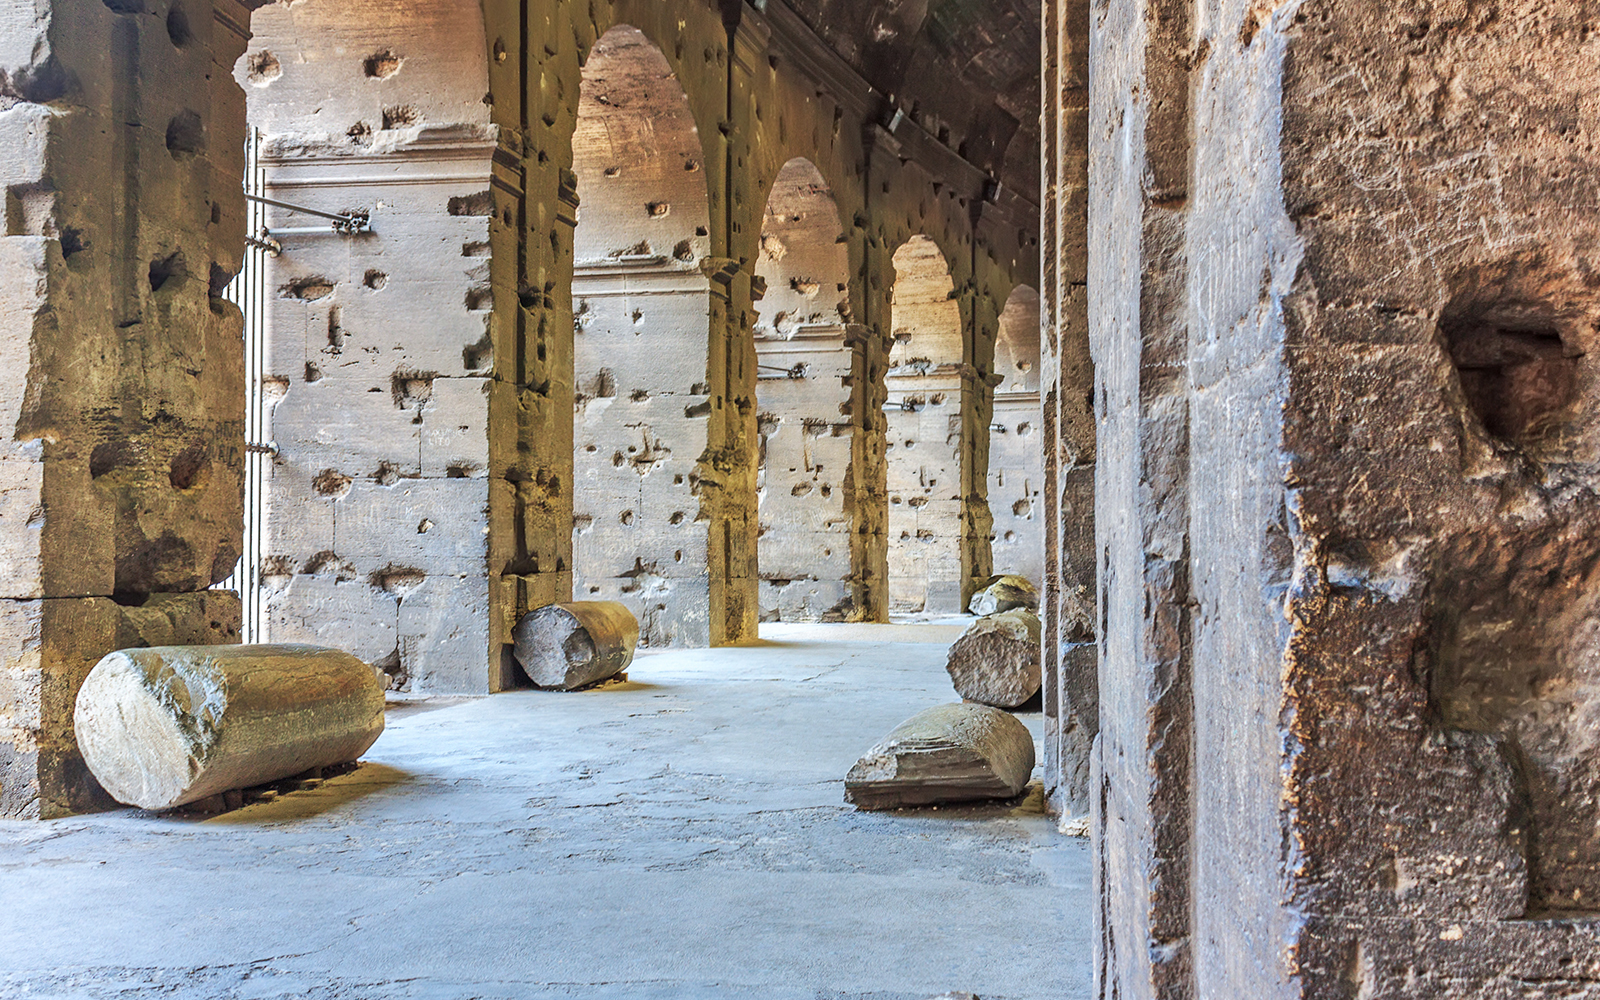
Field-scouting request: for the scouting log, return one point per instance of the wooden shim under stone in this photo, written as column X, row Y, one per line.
column 167, row 725
column 569, row 646
column 1002, row 593
column 950, row 753
column 997, row 660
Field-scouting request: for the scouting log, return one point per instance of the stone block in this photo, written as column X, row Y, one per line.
column 455, row 428
column 431, row 525
column 997, row 661
column 445, row 627
column 334, row 606
column 163, row 726
column 573, row 645
column 949, row 753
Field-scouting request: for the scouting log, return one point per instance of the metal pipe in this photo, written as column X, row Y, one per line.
column 347, row 223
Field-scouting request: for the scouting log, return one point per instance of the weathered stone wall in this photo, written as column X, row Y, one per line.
column 1341, row 315
column 925, row 434
column 378, row 350
column 123, row 400
column 804, row 401
column 1016, row 459
column 641, row 307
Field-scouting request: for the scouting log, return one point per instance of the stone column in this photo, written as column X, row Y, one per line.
column 981, row 325
column 1137, row 330
column 121, row 158
column 530, row 392
column 1067, row 395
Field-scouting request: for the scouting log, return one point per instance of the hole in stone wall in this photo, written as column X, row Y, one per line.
column 191, row 467
column 400, row 116
column 479, row 203
column 125, row 6
column 375, row 280
column 261, row 68
column 72, row 242
column 178, row 27
column 186, row 135
column 307, row 289
column 381, row 65
column 331, row 483
column 219, row 280
column 164, row 269
column 1517, row 351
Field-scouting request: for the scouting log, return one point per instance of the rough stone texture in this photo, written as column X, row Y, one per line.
column 1342, row 310
column 1016, row 452
column 1003, row 593
column 1067, row 387
column 570, row 646
column 997, row 661
column 948, row 753
column 122, row 400
column 378, row 344
column 802, row 391
column 166, row 725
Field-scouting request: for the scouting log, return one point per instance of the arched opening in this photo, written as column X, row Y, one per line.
column 924, row 434
column 368, row 348
column 1016, row 460
column 640, row 307
column 803, row 551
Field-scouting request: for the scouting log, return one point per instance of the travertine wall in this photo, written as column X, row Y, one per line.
column 1016, row 457
column 925, row 434
column 641, row 309
column 1341, row 312
column 122, row 397
column 378, row 352
column 803, row 397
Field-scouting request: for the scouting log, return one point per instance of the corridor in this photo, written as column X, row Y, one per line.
column 680, row 835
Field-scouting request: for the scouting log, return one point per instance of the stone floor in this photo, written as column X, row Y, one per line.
column 681, row 835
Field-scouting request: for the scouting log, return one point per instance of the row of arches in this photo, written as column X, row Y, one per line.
column 844, row 469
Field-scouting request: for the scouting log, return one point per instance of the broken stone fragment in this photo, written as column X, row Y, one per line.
column 569, row 646
column 949, row 753
column 1002, row 593
column 167, row 725
column 997, row 661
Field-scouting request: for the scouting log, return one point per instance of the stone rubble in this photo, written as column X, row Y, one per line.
column 1002, row 593
column 997, row 661
column 948, row 753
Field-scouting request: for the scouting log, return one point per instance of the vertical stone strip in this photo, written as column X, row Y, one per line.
column 121, row 160
column 1137, row 322
column 533, row 74
column 1068, row 399
column 982, row 302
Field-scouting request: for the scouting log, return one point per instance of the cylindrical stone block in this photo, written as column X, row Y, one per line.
column 997, row 661
column 172, row 724
column 568, row 646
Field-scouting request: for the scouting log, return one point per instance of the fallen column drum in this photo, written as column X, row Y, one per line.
column 572, row 645
column 167, row 725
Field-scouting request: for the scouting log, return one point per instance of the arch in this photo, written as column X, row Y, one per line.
column 375, row 355
column 803, row 549
column 1016, row 458
column 924, row 449
column 641, row 310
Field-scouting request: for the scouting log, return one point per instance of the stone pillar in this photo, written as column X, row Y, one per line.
column 530, row 392
column 868, row 501
column 731, row 461
column 1137, row 275
column 121, row 160
column 1067, row 396
column 1346, row 690
column 981, row 325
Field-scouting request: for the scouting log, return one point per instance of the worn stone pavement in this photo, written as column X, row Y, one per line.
column 681, row 835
